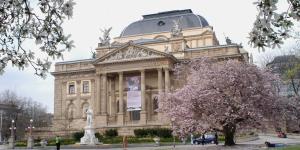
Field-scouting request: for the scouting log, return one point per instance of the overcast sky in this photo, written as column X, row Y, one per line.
column 233, row 18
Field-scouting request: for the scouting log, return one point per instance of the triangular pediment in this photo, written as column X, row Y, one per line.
column 131, row 52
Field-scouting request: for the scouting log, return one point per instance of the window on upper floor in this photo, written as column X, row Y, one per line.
column 85, row 86
column 71, row 88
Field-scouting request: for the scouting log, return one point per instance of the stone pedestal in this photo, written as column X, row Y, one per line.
column 89, row 137
column 11, row 142
column 30, row 143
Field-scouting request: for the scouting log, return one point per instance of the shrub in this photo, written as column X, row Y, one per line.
column 51, row 142
column 21, row 144
column 111, row 133
column 112, row 140
column 67, row 141
column 77, row 135
column 99, row 136
column 152, row 132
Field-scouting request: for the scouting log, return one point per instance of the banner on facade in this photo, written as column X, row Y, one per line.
column 134, row 93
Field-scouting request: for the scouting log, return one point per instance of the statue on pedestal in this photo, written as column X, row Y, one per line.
column 89, row 131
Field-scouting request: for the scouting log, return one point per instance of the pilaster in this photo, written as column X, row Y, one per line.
column 143, row 113
column 120, row 120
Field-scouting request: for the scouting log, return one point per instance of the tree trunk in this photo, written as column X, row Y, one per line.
column 229, row 131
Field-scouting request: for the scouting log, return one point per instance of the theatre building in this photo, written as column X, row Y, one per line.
column 122, row 82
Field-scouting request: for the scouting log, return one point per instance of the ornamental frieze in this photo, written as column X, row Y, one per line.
column 132, row 53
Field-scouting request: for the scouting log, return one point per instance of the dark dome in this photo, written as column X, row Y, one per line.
column 163, row 21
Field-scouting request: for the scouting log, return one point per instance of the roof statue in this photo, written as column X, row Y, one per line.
column 167, row 49
column 228, row 41
column 105, row 39
column 176, row 29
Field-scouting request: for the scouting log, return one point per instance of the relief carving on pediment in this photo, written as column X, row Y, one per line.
column 131, row 53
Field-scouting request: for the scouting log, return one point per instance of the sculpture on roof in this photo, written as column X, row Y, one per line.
column 105, row 39
column 176, row 29
column 228, row 40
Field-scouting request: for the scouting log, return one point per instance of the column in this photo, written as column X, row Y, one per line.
column 103, row 118
column 167, row 80
column 121, row 111
column 160, row 90
column 159, row 80
column 143, row 113
column 98, row 94
column 109, row 101
column 143, row 90
column 104, row 95
column 113, row 97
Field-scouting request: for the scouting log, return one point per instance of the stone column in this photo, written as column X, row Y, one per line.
column 113, row 97
column 143, row 114
column 98, row 94
column 103, row 95
column 121, row 111
column 159, row 80
column 167, row 80
column 103, row 119
column 160, row 90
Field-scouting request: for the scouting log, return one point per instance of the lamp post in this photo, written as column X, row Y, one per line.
column 30, row 139
column 1, row 113
column 172, row 121
column 12, row 137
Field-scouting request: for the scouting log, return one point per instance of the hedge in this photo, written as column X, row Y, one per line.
column 152, row 132
column 77, row 135
column 111, row 133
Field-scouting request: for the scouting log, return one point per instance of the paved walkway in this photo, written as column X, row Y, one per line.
column 257, row 144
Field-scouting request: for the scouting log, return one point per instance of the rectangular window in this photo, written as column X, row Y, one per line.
column 85, row 87
column 135, row 115
column 72, row 88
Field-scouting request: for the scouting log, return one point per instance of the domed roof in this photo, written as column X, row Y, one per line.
column 163, row 21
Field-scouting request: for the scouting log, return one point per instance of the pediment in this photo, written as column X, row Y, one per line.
column 131, row 52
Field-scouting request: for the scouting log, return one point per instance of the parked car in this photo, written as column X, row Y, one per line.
column 209, row 139
column 281, row 134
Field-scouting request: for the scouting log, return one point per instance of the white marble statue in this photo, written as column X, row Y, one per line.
column 89, row 131
column 89, row 117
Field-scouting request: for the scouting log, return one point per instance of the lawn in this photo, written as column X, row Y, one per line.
column 294, row 147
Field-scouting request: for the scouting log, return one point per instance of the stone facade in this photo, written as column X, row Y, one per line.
column 100, row 82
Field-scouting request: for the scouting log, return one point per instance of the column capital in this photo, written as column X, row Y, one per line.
column 166, row 68
column 142, row 70
column 159, row 69
column 120, row 73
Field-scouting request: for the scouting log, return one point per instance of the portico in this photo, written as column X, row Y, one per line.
column 150, row 65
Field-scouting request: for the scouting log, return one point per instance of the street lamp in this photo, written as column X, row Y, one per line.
column 172, row 121
column 12, row 137
column 30, row 139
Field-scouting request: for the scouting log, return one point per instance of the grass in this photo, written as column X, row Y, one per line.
column 294, row 147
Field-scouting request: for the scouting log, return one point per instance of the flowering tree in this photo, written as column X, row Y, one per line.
column 272, row 27
column 23, row 22
column 220, row 95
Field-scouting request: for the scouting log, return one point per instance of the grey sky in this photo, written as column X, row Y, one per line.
column 233, row 18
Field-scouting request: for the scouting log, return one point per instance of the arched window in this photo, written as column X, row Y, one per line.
column 161, row 37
